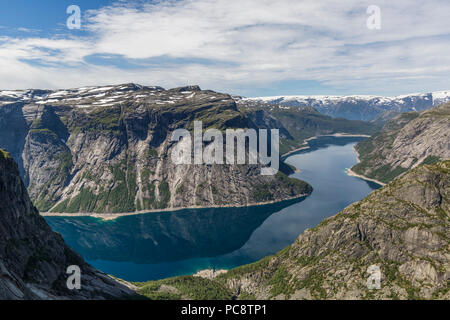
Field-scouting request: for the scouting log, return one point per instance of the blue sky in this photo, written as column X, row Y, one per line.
column 46, row 16
column 246, row 47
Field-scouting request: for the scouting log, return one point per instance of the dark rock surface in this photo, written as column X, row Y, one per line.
column 33, row 258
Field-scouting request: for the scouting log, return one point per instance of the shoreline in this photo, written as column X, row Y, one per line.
column 113, row 216
column 348, row 171
column 352, row 173
column 338, row 135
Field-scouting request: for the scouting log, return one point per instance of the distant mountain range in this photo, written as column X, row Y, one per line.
column 358, row 107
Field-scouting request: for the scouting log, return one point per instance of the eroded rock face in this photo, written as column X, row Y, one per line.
column 33, row 258
column 405, row 142
column 108, row 150
column 402, row 228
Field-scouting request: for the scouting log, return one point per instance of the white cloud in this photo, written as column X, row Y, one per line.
column 260, row 41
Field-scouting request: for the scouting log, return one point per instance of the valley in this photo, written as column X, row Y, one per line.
column 402, row 229
column 163, row 244
column 215, row 159
column 95, row 161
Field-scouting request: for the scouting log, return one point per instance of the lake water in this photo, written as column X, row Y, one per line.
column 159, row 245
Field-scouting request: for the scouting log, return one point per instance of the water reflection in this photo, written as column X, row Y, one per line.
column 158, row 245
column 165, row 236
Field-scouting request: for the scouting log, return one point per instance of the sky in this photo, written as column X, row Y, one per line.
column 245, row 47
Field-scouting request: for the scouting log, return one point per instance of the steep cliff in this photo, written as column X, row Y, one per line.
column 34, row 259
column 107, row 150
column 407, row 141
column 403, row 229
column 165, row 236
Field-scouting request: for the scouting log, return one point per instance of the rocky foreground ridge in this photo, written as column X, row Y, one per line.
column 107, row 149
column 407, row 141
column 33, row 258
column 403, row 229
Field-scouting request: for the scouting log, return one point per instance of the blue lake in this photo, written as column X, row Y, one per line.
column 159, row 245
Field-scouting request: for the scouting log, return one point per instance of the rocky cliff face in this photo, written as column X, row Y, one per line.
column 407, row 141
column 34, row 259
column 107, row 150
column 401, row 229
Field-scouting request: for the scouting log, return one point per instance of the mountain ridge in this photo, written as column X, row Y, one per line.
column 358, row 107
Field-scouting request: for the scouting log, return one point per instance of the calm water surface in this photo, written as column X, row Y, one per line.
column 159, row 245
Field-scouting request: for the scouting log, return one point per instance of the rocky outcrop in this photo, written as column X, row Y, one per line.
column 402, row 230
column 34, row 259
column 108, row 150
column 407, row 141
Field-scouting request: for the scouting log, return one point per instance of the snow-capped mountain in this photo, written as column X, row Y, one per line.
column 353, row 107
column 359, row 107
column 84, row 97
